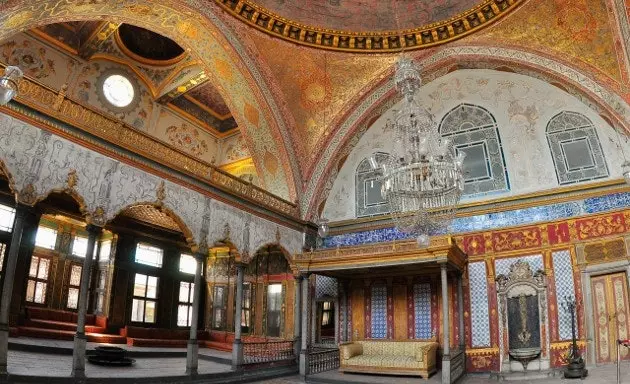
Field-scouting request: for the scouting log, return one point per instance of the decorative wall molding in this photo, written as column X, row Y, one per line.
column 39, row 163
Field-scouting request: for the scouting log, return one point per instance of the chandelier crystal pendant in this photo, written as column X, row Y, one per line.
column 9, row 84
column 423, row 180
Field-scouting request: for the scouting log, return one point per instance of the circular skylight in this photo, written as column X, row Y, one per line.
column 118, row 90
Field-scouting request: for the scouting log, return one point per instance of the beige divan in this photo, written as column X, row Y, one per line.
column 411, row 358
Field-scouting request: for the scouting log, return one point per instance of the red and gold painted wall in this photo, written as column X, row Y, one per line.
column 590, row 241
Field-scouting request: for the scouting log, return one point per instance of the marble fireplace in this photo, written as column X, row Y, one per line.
column 523, row 321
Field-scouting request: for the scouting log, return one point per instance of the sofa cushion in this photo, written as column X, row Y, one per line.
column 351, row 350
column 384, row 361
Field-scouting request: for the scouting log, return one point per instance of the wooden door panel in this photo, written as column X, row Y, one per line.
column 600, row 315
column 619, row 306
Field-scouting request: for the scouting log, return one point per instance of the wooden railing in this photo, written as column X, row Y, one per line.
column 323, row 359
column 269, row 351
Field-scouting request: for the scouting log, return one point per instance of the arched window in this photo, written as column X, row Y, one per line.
column 474, row 131
column 575, row 148
column 369, row 200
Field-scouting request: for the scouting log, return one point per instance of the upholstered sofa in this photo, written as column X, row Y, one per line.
column 410, row 358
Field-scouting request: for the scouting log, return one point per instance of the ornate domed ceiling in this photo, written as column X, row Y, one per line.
column 367, row 15
column 369, row 25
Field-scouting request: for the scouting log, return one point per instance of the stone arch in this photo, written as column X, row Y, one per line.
column 382, row 96
column 226, row 63
column 4, row 170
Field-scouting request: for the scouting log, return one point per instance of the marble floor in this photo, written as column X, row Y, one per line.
column 597, row 375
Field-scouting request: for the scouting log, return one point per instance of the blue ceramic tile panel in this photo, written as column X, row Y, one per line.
column 502, row 266
column 491, row 221
column 479, row 316
column 379, row 312
column 563, row 277
column 422, row 310
column 325, row 287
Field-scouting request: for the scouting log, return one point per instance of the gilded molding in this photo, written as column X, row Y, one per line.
column 53, row 104
column 377, row 42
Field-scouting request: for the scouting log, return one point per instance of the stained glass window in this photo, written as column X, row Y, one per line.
column 144, row 295
column 369, row 200
column 79, row 246
column 105, row 250
column 38, row 280
column 575, row 148
column 474, row 131
column 7, row 216
column 184, row 309
column 46, row 237
column 219, row 303
column 274, row 309
column 327, row 313
column 187, row 264
column 149, row 255
column 118, row 90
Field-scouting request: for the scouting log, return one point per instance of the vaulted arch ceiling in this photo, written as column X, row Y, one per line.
column 208, row 40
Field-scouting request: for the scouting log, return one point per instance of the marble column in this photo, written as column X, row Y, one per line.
column 7, row 289
column 589, row 320
column 305, row 327
column 237, row 346
column 192, row 348
column 446, row 347
column 80, row 340
column 297, row 323
column 460, row 307
column 338, row 336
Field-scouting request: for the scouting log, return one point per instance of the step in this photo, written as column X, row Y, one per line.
column 62, row 326
column 44, row 333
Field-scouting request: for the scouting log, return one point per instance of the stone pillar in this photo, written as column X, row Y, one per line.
column 446, row 348
column 237, row 346
column 460, row 307
column 78, row 354
column 297, row 323
column 305, row 327
column 7, row 289
column 588, row 315
column 192, row 349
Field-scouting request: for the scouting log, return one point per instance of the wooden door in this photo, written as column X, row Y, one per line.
column 610, row 313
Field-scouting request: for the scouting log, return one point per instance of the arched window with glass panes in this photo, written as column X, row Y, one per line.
column 369, row 200
column 575, row 148
column 474, row 130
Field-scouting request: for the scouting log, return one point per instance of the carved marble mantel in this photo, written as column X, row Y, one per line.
column 521, row 283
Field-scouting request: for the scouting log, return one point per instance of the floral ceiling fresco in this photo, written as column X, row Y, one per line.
column 367, row 15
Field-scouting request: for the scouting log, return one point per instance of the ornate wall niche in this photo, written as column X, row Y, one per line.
column 523, row 322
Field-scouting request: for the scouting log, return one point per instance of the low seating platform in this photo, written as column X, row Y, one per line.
column 62, row 325
column 159, row 337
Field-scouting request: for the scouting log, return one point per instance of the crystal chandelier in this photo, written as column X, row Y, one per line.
column 423, row 180
column 9, row 84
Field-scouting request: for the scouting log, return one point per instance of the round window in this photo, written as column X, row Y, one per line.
column 118, row 90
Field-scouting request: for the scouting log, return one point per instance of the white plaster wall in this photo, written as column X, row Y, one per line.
column 522, row 107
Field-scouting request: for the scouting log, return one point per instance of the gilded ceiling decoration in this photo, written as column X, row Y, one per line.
column 317, row 88
column 369, row 25
column 151, row 215
column 576, row 31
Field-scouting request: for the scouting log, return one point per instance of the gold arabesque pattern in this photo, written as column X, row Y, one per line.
column 386, row 41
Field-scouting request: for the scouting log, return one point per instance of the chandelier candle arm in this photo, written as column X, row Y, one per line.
column 9, row 84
